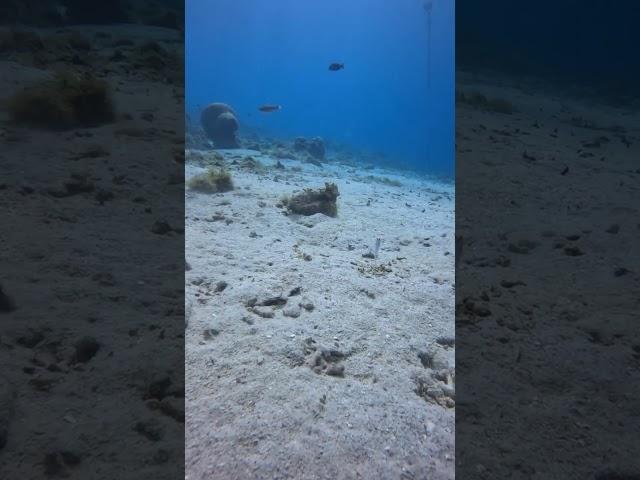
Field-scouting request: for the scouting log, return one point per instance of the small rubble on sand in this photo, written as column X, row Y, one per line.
column 330, row 293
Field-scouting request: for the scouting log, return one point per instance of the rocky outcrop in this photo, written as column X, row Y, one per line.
column 220, row 124
column 310, row 202
column 314, row 147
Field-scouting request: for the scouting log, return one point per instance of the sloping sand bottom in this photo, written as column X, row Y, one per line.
column 549, row 306
column 380, row 330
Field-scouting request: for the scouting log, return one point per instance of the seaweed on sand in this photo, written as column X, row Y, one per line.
column 478, row 100
column 67, row 101
column 211, row 181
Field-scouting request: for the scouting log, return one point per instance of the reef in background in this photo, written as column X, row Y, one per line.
column 220, row 124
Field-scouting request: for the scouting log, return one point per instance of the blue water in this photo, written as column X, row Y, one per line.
column 394, row 97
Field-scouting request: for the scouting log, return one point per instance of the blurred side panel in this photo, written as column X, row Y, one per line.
column 92, row 243
column 548, row 139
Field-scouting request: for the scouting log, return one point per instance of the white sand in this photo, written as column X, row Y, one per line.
column 254, row 406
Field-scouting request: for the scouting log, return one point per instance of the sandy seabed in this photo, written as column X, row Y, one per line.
column 547, row 204
column 255, row 408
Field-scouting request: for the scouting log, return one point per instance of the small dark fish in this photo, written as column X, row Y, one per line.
column 270, row 108
column 334, row 67
column 565, row 171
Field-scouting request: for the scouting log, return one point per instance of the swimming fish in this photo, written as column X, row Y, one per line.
column 270, row 108
column 334, row 67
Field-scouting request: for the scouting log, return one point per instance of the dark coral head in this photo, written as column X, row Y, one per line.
column 220, row 124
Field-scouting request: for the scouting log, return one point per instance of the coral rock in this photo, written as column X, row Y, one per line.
column 314, row 147
column 311, row 201
column 220, row 124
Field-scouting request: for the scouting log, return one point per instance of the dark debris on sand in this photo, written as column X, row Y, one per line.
column 310, row 202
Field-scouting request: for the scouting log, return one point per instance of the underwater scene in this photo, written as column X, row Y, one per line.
column 319, row 239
